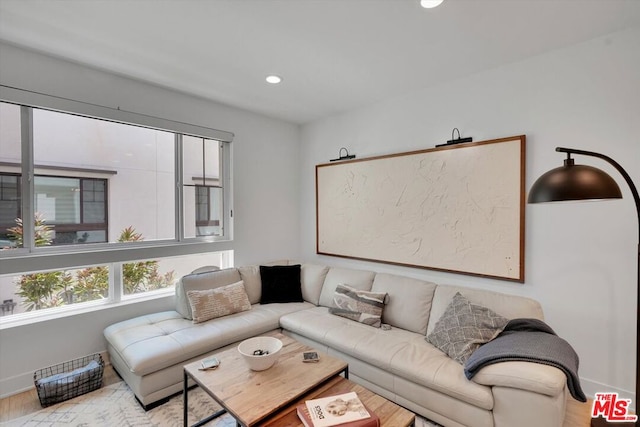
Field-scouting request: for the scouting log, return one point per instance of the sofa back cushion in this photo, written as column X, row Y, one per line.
column 509, row 306
column 201, row 282
column 252, row 282
column 409, row 302
column 312, row 277
column 359, row 279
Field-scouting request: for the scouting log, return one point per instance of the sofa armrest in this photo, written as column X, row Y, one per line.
column 515, row 407
column 535, row 377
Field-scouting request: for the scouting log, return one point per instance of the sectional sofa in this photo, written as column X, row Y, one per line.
column 395, row 360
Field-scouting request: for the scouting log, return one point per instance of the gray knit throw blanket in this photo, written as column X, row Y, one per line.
column 529, row 340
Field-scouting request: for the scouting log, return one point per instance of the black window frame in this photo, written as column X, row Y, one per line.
column 4, row 227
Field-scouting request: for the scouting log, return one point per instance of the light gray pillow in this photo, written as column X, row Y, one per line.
column 201, row 282
column 212, row 303
column 463, row 327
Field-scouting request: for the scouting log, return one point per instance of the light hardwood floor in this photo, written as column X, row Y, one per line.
column 25, row 403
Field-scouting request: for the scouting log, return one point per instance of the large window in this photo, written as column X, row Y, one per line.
column 110, row 203
column 94, row 179
column 49, row 290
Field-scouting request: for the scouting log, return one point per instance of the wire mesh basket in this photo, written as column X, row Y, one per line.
column 67, row 380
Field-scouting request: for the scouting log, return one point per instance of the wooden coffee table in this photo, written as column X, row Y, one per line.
column 251, row 396
column 269, row 398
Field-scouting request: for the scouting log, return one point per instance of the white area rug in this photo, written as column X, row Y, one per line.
column 115, row 405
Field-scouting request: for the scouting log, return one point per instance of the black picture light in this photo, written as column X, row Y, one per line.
column 345, row 157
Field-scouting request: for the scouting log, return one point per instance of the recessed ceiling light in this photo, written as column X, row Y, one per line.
column 428, row 4
column 273, row 79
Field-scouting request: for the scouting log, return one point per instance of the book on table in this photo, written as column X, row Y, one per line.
column 345, row 410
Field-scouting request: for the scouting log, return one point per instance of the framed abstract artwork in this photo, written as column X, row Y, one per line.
column 457, row 208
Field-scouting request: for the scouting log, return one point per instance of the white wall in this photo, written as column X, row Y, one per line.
column 266, row 194
column 580, row 258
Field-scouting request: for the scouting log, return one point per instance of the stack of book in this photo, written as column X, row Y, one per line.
column 345, row 410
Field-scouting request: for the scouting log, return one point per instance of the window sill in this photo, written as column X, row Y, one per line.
column 29, row 318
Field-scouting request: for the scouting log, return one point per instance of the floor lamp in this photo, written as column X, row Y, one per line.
column 580, row 182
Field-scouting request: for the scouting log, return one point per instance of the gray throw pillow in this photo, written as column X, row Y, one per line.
column 465, row 326
column 361, row 306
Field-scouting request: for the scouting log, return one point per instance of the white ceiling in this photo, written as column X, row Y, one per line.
column 333, row 55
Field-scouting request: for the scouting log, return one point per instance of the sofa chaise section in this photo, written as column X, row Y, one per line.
column 148, row 352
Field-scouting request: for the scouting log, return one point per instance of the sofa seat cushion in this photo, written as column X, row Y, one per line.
column 371, row 345
column 156, row 341
column 403, row 353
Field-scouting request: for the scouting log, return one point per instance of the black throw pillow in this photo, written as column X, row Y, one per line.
column 280, row 283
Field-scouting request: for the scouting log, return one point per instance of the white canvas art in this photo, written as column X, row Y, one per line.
column 455, row 208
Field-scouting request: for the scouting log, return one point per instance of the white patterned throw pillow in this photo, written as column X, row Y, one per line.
column 211, row 303
column 465, row 326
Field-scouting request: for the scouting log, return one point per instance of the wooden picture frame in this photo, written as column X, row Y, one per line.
column 457, row 208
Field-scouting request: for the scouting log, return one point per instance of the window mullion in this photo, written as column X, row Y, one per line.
column 28, row 199
column 116, row 284
column 227, row 190
column 179, row 196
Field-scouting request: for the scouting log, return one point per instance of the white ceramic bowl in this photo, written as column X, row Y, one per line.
column 260, row 362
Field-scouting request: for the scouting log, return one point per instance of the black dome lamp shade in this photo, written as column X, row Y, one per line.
column 580, row 182
column 573, row 182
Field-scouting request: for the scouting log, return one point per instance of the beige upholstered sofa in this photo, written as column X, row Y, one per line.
column 396, row 361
